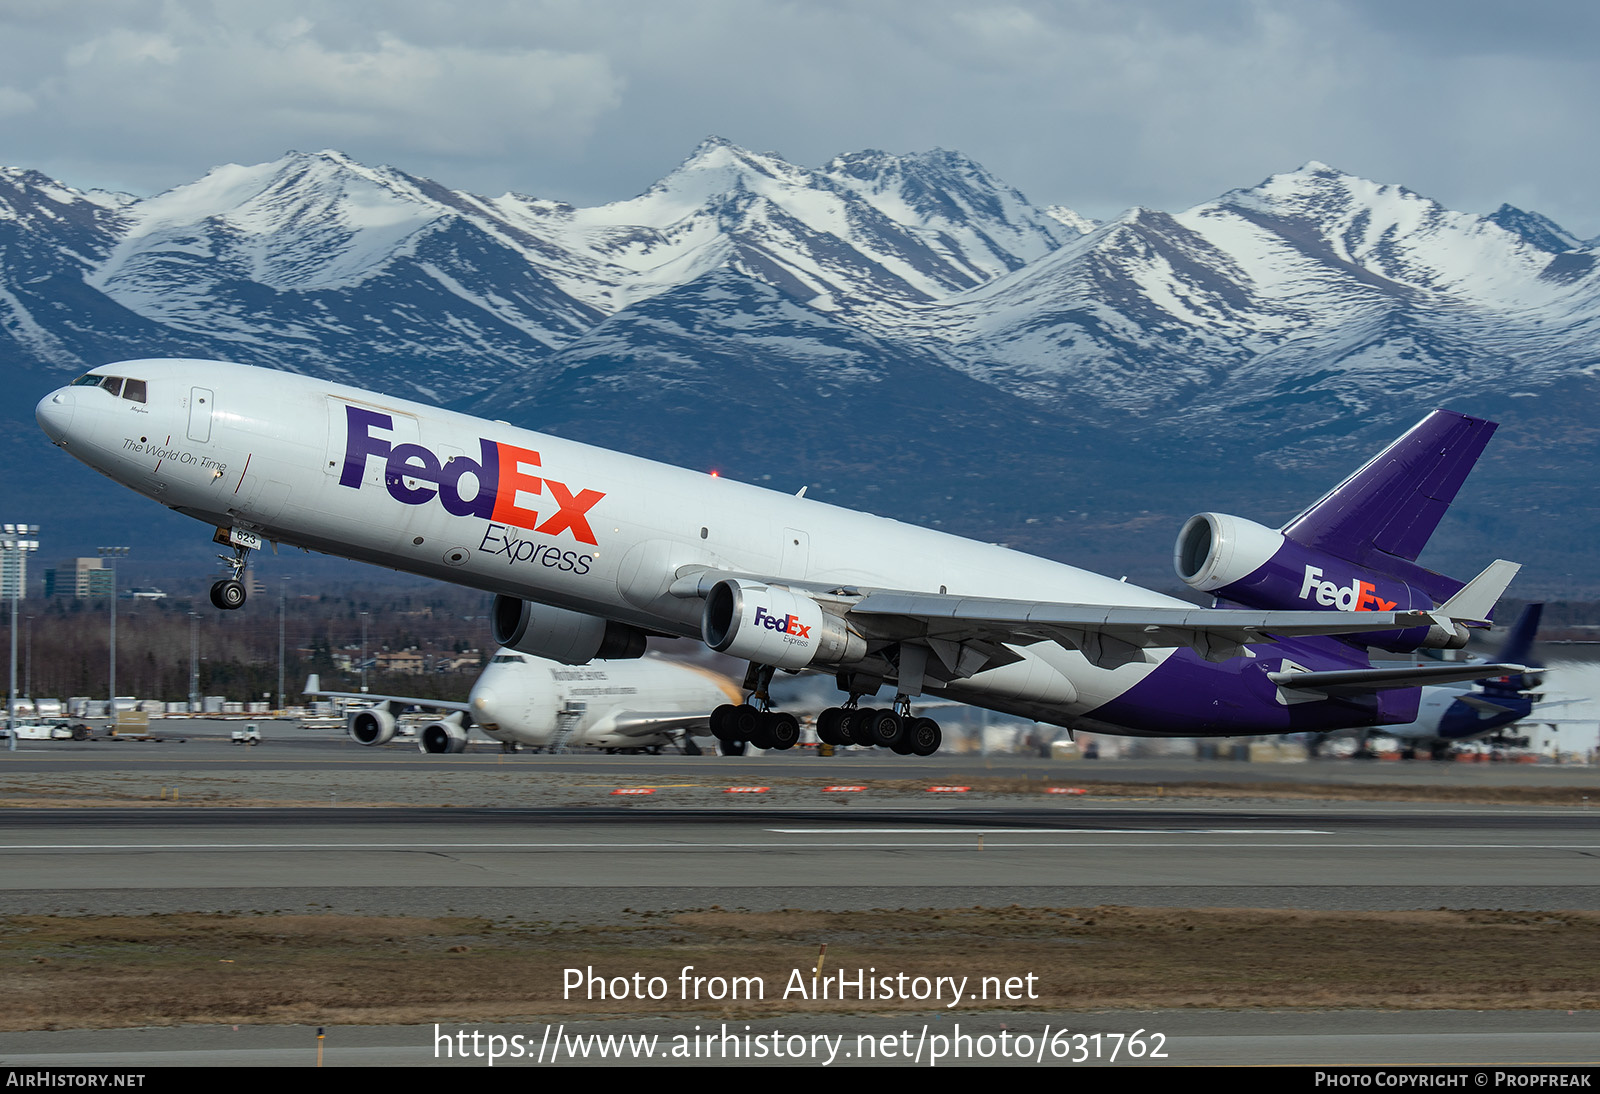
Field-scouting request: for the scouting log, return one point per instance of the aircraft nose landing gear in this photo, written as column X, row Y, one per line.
column 229, row 593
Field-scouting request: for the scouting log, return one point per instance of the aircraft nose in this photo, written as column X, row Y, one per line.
column 54, row 413
column 482, row 702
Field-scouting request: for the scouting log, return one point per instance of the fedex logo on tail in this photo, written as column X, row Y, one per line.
column 789, row 624
column 1358, row 596
column 503, row 487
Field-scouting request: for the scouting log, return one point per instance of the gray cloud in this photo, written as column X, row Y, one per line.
column 1098, row 104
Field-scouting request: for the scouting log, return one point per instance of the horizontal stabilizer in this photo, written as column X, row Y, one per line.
column 1476, row 601
column 1484, row 707
column 1374, row 679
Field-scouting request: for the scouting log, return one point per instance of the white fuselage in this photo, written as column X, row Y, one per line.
column 520, row 699
column 321, row 465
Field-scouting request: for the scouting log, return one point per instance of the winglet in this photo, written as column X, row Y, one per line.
column 1477, row 598
column 313, row 684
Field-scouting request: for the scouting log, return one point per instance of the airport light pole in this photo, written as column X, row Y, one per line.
column 113, row 553
column 281, row 597
column 16, row 548
column 363, row 651
column 194, row 663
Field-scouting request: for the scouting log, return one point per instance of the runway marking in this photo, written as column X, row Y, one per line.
column 1058, row 830
column 679, row 845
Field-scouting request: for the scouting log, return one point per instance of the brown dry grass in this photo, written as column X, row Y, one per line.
column 105, row 971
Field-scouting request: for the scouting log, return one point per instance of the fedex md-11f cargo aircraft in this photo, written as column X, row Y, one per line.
column 590, row 553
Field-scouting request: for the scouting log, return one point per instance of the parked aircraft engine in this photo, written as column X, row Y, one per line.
column 772, row 625
column 444, row 736
column 571, row 638
column 371, row 725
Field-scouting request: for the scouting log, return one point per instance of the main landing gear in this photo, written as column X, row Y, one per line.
column 754, row 722
column 229, row 593
column 896, row 729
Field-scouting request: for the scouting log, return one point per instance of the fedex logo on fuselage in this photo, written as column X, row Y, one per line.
column 503, row 488
column 1358, row 596
column 789, row 624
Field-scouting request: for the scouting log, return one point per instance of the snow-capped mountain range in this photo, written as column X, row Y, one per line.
column 894, row 315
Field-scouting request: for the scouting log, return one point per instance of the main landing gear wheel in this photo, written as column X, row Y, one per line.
column 896, row 729
column 722, row 727
column 924, row 736
column 734, row 726
column 828, row 727
column 228, row 594
column 880, row 727
column 784, row 729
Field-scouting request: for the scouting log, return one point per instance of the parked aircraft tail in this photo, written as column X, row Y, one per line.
column 1518, row 649
column 1355, row 548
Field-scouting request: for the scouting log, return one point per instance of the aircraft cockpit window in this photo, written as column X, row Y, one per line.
column 133, row 390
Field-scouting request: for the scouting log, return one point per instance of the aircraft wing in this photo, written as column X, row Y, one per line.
column 1104, row 634
column 634, row 723
column 972, row 634
column 314, row 687
column 1378, row 679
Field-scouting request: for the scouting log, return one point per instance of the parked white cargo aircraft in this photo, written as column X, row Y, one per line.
column 591, row 552
column 1448, row 716
column 523, row 700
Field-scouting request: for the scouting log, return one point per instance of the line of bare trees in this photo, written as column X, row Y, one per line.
column 63, row 645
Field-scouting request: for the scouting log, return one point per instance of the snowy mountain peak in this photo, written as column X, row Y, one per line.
column 1537, row 230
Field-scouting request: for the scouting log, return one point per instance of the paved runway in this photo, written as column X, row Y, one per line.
column 594, row 861
column 447, row 848
column 1473, row 1040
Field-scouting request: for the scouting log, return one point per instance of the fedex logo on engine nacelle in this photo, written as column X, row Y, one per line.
column 500, row 479
column 789, row 624
column 1358, row 596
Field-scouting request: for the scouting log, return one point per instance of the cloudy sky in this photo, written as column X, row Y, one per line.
column 1095, row 104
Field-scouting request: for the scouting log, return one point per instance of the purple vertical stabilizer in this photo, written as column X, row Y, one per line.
column 1356, row 548
column 1386, row 511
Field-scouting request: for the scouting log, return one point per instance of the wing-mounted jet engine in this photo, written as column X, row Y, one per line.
column 776, row 626
column 556, row 634
column 374, row 725
column 447, row 735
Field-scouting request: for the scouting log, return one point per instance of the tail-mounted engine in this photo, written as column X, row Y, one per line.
column 1242, row 562
column 772, row 625
column 556, row 634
